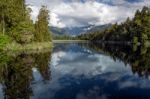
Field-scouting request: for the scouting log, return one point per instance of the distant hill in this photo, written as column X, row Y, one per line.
column 77, row 30
column 99, row 28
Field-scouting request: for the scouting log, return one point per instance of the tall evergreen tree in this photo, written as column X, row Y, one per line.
column 41, row 26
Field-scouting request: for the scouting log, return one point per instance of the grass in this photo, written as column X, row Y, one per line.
column 36, row 46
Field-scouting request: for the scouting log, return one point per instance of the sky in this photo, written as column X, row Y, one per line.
column 78, row 13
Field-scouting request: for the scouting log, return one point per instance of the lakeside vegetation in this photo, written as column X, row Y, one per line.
column 135, row 30
column 18, row 31
column 63, row 37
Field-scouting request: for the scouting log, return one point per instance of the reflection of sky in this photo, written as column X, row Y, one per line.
column 78, row 72
column 1, row 92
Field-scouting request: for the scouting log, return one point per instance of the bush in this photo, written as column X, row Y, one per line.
column 4, row 40
column 22, row 33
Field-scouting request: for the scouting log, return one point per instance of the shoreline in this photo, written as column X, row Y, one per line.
column 35, row 46
column 70, row 41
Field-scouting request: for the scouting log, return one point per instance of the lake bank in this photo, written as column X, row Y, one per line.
column 37, row 46
column 27, row 47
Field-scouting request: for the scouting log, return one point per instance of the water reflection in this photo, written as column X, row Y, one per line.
column 16, row 73
column 137, row 56
column 77, row 71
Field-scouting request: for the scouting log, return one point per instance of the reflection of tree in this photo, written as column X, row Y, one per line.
column 16, row 73
column 17, row 77
column 42, row 62
column 137, row 56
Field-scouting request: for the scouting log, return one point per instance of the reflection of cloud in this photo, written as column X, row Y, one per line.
column 88, row 76
column 134, row 82
column 57, row 57
column 76, row 63
column 127, row 84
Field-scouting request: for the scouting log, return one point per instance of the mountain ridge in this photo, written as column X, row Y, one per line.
column 74, row 31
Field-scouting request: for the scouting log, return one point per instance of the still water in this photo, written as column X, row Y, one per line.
column 77, row 71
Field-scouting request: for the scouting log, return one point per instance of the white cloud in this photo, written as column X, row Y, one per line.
column 35, row 11
column 55, row 21
column 76, row 13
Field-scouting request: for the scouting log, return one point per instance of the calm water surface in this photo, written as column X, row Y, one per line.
column 77, row 71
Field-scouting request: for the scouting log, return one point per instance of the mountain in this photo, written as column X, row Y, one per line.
column 99, row 28
column 77, row 30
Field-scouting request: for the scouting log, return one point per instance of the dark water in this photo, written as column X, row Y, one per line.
column 77, row 71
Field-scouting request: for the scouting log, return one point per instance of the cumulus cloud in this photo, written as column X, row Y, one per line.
column 73, row 13
column 55, row 21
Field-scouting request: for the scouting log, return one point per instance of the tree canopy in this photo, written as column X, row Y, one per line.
column 15, row 22
column 132, row 30
column 42, row 32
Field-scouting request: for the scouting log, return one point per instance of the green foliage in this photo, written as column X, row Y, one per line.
column 132, row 30
column 15, row 22
column 41, row 26
column 4, row 40
column 23, row 32
column 63, row 37
column 4, row 58
column 135, row 40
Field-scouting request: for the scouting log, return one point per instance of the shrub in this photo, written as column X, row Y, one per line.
column 4, row 40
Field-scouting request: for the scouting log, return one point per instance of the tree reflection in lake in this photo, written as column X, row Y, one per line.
column 137, row 56
column 77, row 71
column 16, row 73
column 42, row 62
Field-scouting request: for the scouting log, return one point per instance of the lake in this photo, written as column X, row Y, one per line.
column 77, row 71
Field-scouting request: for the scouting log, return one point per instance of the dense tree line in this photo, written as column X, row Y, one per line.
column 64, row 37
column 16, row 24
column 132, row 30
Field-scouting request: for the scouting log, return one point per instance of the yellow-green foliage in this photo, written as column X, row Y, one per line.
column 4, row 40
column 27, row 47
column 42, row 33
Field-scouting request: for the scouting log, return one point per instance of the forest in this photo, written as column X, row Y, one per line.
column 17, row 30
column 135, row 30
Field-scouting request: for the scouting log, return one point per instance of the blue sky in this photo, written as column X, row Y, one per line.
column 77, row 13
